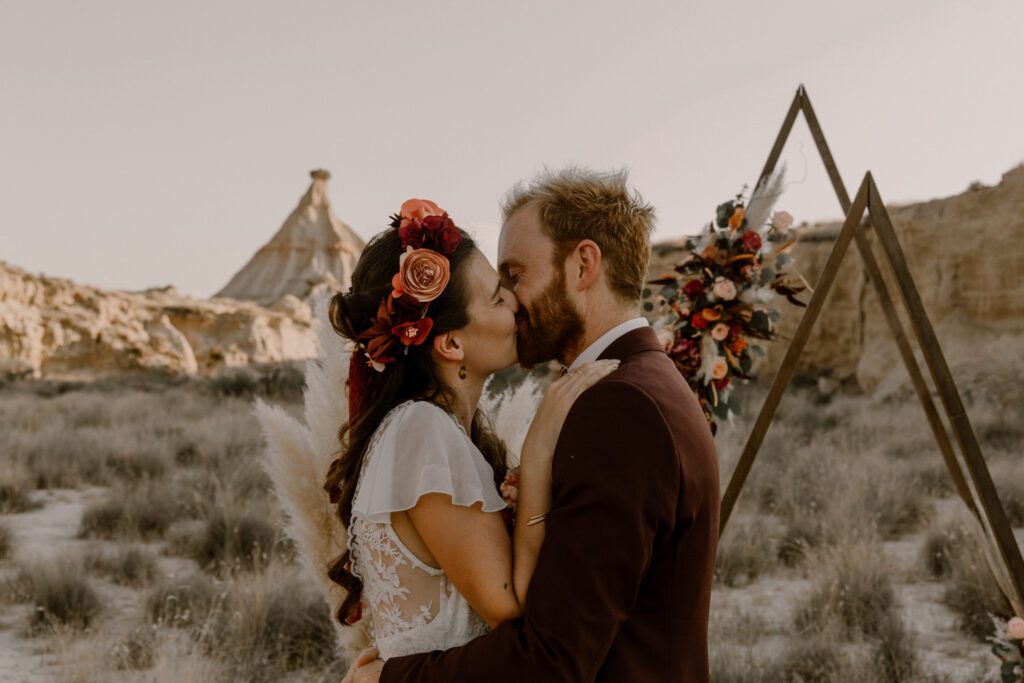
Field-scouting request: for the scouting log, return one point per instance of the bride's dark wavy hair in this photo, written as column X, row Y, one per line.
column 410, row 376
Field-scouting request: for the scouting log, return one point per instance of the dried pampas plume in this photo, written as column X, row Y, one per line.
column 767, row 192
column 296, row 459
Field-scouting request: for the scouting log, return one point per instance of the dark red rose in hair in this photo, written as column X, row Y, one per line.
column 699, row 321
column 751, row 240
column 441, row 234
column 721, row 383
column 694, row 289
column 412, row 233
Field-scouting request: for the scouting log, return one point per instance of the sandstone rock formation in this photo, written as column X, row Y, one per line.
column 966, row 254
column 50, row 327
column 312, row 252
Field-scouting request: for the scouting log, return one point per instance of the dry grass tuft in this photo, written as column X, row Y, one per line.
column 185, row 602
column 852, row 593
column 747, row 550
column 125, row 566
column 972, row 592
column 6, row 541
column 60, row 594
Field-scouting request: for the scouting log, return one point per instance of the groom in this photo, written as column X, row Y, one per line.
column 622, row 586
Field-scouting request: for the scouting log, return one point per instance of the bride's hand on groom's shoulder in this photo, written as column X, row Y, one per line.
column 366, row 668
column 559, row 399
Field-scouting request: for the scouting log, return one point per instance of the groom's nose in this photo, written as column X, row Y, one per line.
column 513, row 301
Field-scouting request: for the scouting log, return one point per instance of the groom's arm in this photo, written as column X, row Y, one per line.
column 616, row 481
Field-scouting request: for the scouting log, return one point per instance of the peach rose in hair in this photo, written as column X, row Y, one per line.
column 719, row 331
column 424, row 274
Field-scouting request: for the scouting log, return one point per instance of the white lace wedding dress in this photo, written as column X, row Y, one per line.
column 417, row 449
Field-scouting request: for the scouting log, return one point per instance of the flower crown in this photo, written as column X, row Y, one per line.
column 429, row 237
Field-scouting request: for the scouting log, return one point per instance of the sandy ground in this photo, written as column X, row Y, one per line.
column 41, row 534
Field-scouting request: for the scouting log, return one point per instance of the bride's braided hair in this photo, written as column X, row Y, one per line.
column 412, row 375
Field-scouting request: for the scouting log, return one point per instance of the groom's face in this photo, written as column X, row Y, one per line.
column 548, row 324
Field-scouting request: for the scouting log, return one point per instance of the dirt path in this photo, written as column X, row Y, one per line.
column 42, row 534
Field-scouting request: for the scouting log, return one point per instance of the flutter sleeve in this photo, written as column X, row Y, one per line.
column 423, row 450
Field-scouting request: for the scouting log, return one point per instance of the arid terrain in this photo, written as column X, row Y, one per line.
column 139, row 539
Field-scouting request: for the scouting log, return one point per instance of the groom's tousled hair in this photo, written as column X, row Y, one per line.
column 576, row 204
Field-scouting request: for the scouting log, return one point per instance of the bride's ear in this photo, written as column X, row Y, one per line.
column 448, row 346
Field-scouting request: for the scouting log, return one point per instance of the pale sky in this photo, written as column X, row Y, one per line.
column 146, row 143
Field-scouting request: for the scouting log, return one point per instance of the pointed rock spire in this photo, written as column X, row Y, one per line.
column 312, row 250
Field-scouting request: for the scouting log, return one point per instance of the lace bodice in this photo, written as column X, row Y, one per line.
column 417, row 449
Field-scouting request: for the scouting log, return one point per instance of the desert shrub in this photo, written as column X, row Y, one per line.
column 894, row 657
column 801, row 536
column 815, row 660
column 972, row 593
column 14, row 497
column 933, row 478
column 143, row 514
column 234, row 383
column 239, row 540
column 1005, row 435
column 126, row 566
column 742, row 667
column 136, row 651
column 60, row 594
column 273, row 625
column 938, row 554
column 184, row 602
column 745, row 552
column 897, row 509
column 63, row 459
column 285, row 382
column 6, row 541
column 851, row 590
column 1011, row 495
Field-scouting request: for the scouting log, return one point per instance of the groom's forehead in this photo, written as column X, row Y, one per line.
column 522, row 238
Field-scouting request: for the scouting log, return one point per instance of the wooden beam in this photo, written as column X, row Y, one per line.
column 788, row 367
column 943, row 378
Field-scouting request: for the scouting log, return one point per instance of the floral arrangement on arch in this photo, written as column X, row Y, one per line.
column 1008, row 646
column 714, row 304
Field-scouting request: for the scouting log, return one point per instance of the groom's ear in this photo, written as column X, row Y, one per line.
column 449, row 347
column 586, row 260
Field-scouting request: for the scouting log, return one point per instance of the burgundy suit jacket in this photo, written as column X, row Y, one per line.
column 622, row 586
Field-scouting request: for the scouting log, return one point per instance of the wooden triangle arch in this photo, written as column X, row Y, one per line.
column 979, row 493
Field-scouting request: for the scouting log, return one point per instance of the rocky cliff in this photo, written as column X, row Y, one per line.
column 966, row 254
column 50, row 327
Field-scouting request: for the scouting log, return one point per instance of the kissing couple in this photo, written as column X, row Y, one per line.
column 603, row 572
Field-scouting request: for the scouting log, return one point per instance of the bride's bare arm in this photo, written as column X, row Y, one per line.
column 473, row 547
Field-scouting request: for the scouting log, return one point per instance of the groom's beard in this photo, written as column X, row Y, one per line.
column 549, row 327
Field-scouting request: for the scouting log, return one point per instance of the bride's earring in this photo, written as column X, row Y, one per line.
column 462, row 372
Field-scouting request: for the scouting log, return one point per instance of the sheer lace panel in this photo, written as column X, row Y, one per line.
column 417, row 449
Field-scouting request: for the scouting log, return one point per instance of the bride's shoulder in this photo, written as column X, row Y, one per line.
column 420, row 422
column 419, row 413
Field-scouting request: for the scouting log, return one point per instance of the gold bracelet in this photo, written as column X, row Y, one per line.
column 536, row 519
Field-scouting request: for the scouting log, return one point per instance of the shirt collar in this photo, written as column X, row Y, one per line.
column 594, row 351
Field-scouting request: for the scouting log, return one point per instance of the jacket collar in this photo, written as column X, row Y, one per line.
column 643, row 339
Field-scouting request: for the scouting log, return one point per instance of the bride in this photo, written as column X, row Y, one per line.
column 417, row 483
